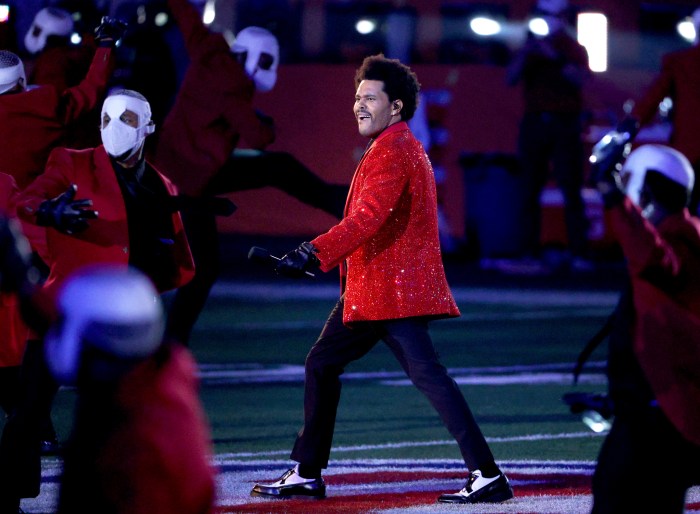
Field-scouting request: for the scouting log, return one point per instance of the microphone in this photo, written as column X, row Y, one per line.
column 263, row 256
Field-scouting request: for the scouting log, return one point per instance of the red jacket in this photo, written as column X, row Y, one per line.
column 107, row 238
column 13, row 331
column 664, row 266
column 155, row 455
column 387, row 244
column 33, row 122
column 679, row 79
column 213, row 109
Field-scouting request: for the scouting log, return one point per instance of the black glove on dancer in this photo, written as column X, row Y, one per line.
column 109, row 31
column 64, row 213
column 299, row 262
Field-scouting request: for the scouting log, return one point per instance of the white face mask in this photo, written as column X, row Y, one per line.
column 261, row 51
column 118, row 138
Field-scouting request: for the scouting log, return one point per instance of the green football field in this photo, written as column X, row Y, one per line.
column 511, row 352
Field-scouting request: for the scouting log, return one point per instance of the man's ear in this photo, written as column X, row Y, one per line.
column 396, row 107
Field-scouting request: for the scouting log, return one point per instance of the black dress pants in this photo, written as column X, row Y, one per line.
column 409, row 340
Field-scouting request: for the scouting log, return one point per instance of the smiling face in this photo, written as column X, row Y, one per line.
column 373, row 110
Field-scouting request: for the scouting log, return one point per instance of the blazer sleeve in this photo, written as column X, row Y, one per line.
column 77, row 100
column 384, row 176
column 54, row 181
column 193, row 30
column 661, row 87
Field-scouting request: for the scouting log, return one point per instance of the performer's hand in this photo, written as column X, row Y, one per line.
column 109, row 31
column 299, row 262
column 606, row 163
column 64, row 213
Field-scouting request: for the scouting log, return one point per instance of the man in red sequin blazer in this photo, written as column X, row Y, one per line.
column 393, row 285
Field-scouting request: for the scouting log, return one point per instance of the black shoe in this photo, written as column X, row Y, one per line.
column 290, row 485
column 481, row 490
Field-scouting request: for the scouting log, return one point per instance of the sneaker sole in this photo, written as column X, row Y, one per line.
column 496, row 496
column 288, row 493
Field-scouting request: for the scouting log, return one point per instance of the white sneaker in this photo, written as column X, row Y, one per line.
column 481, row 490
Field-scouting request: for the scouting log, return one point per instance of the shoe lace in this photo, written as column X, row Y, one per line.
column 286, row 475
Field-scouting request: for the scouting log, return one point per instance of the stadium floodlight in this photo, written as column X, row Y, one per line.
column 686, row 29
column 209, row 14
column 75, row 38
column 485, row 26
column 365, row 26
column 4, row 13
column 592, row 32
column 538, row 26
column 161, row 19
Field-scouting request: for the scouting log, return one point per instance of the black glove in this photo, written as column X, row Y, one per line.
column 15, row 257
column 109, row 31
column 64, row 213
column 299, row 262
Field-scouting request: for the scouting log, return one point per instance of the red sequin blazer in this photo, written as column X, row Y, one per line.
column 387, row 244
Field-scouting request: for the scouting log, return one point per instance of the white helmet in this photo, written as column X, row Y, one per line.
column 50, row 21
column 259, row 52
column 11, row 71
column 113, row 308
column 669, row 162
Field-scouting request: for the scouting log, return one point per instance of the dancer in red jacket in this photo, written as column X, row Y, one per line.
column 654, row 347
column 140, row 442
column 393, row 285
column 212, row 113
column 132, row 224
column 13, row 331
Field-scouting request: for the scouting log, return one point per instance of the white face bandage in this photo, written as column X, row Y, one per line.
column 259, row 52
column 11, row 71
column 118, row 138
column 50, row 21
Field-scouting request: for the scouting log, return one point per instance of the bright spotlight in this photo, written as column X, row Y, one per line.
column 209, row 13
column 686, row 29
column 365, row 26
column 75, row 38
column 161, row 19
column 483, row 26
column 538, row 26
column 592, row 29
